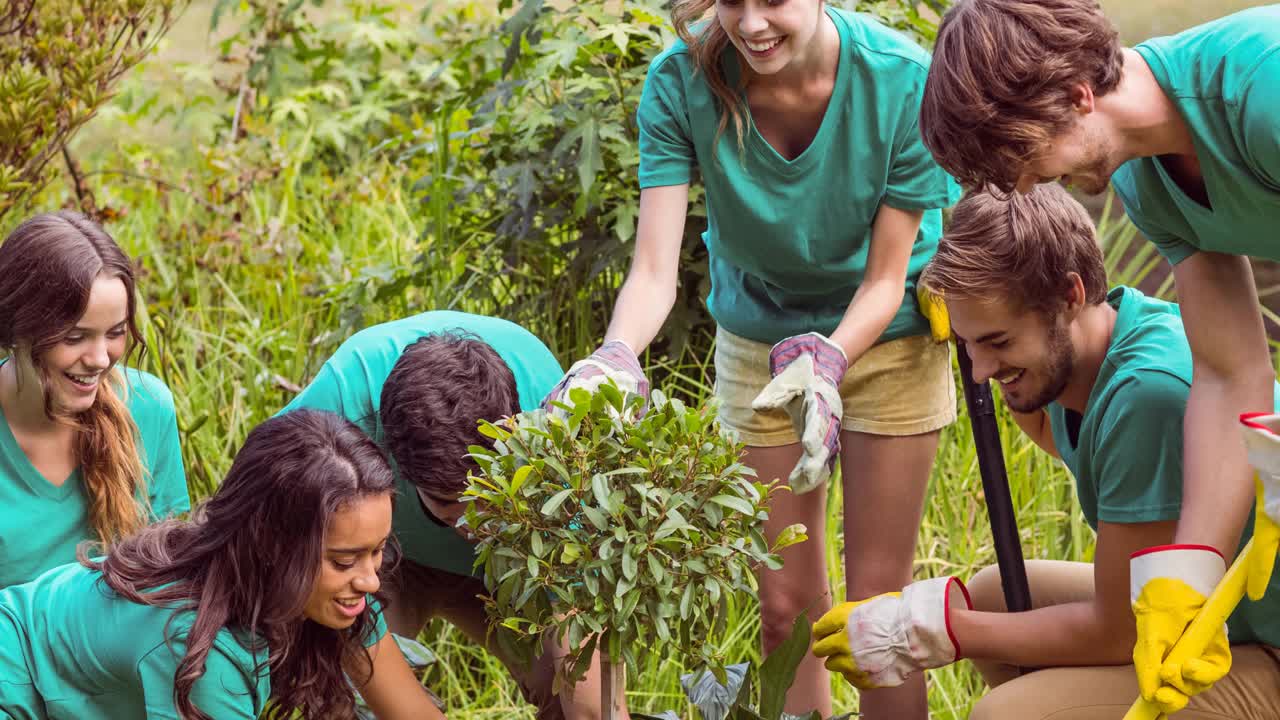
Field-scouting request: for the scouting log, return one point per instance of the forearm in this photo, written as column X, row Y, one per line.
column 873, row 307
column 642, row 307
column 1068, row 634
column 1217, row 479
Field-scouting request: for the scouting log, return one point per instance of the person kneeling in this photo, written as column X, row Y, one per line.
column 256, row 606
column 1099, row 379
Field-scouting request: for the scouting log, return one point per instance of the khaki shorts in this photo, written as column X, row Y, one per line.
column 901, row 387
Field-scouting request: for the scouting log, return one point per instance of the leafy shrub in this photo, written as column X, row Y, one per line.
column 61, row 60
column 617, row 534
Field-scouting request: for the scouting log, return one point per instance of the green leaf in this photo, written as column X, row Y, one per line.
column 790, row 535
column 551, row 505
column 628, row 564
column 535, row 541
column 600, row 488
column 734, row 503
column 519, row 478
column 532, row 562
column 778, row 671
column 589, row 163
column 597, row 518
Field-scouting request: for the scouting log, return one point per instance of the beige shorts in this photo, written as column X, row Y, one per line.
column 901, row 387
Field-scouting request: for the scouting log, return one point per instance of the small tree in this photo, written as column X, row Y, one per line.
column 61, row 60
column 617, row 534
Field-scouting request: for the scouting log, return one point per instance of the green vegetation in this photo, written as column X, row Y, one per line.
column 342, row 165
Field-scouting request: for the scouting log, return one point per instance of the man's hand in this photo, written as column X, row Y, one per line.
column 882, row 641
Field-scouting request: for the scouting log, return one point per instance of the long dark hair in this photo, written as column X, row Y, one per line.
column 47, row 269
column 250, row 555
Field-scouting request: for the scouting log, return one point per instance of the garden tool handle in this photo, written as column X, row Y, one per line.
column 1207, row 623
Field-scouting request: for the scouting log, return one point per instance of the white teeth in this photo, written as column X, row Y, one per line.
column 83, row 379
column 764, row 46
column 1005, row 380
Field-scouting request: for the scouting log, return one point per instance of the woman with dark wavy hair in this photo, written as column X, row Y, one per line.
column 88, row 447
column 255, row 607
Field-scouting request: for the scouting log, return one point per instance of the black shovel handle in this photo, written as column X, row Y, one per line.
column 995, row 486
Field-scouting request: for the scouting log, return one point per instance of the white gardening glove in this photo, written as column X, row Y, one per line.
column 616, row 361
column 882, row 641
column 1263, row 445
column 807, row 370
column 1168, row 585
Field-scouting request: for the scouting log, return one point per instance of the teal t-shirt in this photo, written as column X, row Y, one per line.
column 350, row 384
column 1125, row 451
column 71, row 649
column 41, row 523
column 788, row 239
column 1224, row 79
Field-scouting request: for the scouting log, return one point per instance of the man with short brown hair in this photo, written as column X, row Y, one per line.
column 1098, row 379
column 1187, row 130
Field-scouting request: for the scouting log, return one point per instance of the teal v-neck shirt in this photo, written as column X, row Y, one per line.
column 788, row 239
column 1224, row 79
column 1125, row 451
column 72, row 649
column 350, row 384
column 41, row 523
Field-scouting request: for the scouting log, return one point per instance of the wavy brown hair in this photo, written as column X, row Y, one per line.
column 48, row 265
column 1019, row 250
column 437, row 390
column 1001, row 81
column 707, row 41
column 250, row 555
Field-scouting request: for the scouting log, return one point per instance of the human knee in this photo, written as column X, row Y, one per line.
column 986, row 591
column 780, row 608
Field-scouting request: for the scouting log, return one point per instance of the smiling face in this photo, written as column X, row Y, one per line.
column 353, row 547
column 770, row 34
column 1029, row 354
column 76, row 365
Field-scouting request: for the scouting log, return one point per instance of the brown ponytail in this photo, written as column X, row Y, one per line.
column 47, row 268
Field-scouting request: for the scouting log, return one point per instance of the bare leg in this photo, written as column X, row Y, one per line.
column 801, row 585
column 885, row 479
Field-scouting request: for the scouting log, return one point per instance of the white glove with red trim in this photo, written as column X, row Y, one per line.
column 881, row 641
column 1168, row 585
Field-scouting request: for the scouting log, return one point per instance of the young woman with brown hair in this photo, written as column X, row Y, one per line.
column 88, row 448
column 255, row 607
column 822, row 206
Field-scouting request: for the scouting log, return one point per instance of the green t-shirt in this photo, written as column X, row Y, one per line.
column 1125, row 451
column 41, row 523
column 350, row 384
column 1224, row 79
column 788, row 239
column 74, row 650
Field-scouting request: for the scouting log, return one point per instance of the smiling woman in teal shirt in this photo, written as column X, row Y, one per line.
column 261, row 605
column 88, row 448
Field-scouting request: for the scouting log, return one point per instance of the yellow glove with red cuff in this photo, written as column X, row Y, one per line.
column 1168, row 586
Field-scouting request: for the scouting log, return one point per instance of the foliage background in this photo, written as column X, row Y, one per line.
column 286, row 171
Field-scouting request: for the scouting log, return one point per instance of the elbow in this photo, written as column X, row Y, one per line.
column 1116, row 641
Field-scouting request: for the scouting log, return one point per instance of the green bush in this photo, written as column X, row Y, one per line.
column 61, row 60
column 617, row 534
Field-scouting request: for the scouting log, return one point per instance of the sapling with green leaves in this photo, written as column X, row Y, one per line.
column 617, row 533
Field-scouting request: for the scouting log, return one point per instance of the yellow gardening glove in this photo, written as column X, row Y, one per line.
column 882, row 641
column 934, row 309
column 1168, row 586
column 1263, row 444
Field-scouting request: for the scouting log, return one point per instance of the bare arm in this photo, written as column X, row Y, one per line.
column 879, row 296
column 646, row 297
column 1099, row 631
column 1233, row 374
column 1036, row 426
column 392, row 692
